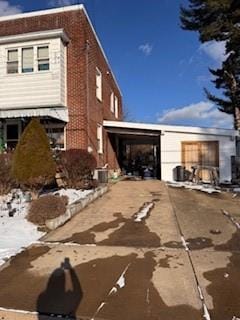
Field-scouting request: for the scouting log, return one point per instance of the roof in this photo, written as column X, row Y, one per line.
column 61, row 10
column 170, row 128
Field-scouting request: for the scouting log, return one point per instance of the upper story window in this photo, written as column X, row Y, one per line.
column 116, row 106
column 112, row 102
column 27, row 60
column 98, row 84
column 12, row 61
column 43, row 58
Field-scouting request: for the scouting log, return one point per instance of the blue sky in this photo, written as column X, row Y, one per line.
column 160, row 68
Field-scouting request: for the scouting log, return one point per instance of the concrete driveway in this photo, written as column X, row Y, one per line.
column 142, row 251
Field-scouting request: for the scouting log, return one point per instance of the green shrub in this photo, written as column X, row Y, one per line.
column 47, row 207
column 33, row 164
column 6, row 180
column 77, row 165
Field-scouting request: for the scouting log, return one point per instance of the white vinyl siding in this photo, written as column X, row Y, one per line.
column 38, row 88
column 98, row 84
column 99, row 138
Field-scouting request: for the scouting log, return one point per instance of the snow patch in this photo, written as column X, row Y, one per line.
column 144, row 212
column 185, row 244
column 16, row 231
column 73, row 194
column 192, row 186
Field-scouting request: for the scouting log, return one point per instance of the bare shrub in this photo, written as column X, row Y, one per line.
column 6, row 180
column 47, row 207
column 77, row 166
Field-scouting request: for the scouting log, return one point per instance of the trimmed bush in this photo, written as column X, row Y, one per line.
column 77, row 166
column 33, row 164
column 46, row 207
column 6, row 180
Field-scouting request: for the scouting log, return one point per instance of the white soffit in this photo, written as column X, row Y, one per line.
column 53, row 112
column 39, row 35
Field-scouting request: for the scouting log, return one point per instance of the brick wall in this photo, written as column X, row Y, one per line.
column 83, row 56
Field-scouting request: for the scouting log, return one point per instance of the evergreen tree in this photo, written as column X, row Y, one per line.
column 219, row 20
column 33, row 164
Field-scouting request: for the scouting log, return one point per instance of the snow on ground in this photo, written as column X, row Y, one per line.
column 143, row 212
column 16, row 231
column 73, row 194
column 193, row 186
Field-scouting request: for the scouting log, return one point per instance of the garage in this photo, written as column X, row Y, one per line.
column 164, row 147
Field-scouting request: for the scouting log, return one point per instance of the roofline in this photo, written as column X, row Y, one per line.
column 61, row 10
column 39, row 35
column 42, row 12
column 170, row 128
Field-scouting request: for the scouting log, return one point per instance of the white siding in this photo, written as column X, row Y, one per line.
column 45, row 88
column 171, row 153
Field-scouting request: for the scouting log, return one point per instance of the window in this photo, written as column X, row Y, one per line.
column 112, row 102
column 56, row 135
column 100, row 138
column 98, row 84
column 43, row 58
column 27, row 60
column 30, row 59
column 12, row 61
column 116, row 106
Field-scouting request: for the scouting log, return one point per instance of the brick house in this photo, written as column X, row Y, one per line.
column 52, row 66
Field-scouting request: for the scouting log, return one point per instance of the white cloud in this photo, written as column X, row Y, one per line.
column 61, row 3
column 203, row 113
column 215, row 50
column 7, row 9
column 146, row 48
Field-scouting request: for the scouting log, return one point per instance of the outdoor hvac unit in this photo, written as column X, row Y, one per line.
column 102, row 175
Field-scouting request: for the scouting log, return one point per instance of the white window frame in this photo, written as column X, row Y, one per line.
column 35, row 59
column 39, row 60
column 100, row 138
column 116, row 106
column 27, row 48
column 112, row 97
column 15, row 61
column 98, row 84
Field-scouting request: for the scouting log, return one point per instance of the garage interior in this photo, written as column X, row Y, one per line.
column 138, row 152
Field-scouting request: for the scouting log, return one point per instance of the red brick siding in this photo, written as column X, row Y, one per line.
column 85, row 111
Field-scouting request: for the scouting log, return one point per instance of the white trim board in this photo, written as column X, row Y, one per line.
column 169, row 128
column 61, row 10
column 39, row 35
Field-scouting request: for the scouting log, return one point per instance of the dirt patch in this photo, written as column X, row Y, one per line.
column 225, row 290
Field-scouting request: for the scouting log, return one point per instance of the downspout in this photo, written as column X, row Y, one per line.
column 87, row 47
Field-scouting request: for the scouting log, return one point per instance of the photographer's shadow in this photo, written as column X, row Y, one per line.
column 57, row 299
